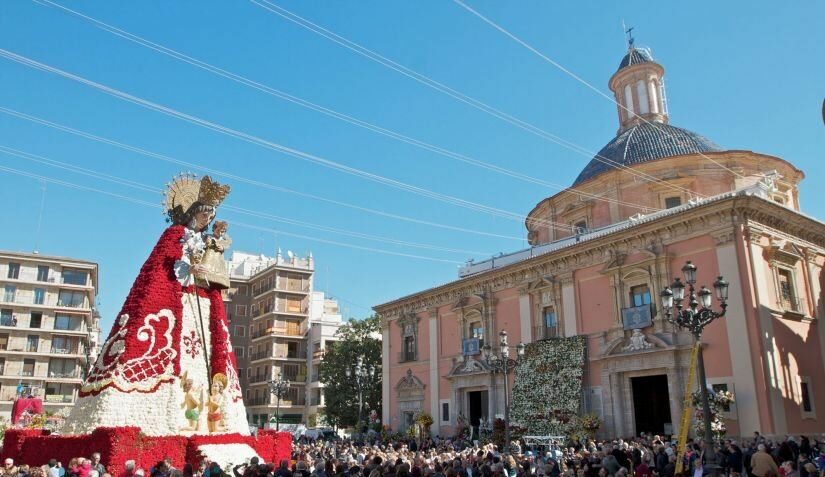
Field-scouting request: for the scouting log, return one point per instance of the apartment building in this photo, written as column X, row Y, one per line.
column 278, row 325
column 325, row 319
column 49, row 328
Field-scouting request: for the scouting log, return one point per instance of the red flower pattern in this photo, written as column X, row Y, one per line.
column 119, row 444
column 156, row 288
column 192, row 344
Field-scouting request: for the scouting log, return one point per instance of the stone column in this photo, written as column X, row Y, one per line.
column 772, row 363
column 814, row 271
column 525, row 319
column 747, row 407
column 568, row 302
column 385, row 371
column 433, row 358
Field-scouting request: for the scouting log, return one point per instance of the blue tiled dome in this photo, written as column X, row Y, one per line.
column 645, row 142
column 635, row 56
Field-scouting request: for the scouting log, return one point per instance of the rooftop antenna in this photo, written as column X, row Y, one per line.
column 40, row 217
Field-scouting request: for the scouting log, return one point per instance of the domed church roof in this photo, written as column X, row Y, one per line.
column 645, row 142
column 635, row 56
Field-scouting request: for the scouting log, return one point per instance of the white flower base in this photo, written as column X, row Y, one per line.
column 228, row 455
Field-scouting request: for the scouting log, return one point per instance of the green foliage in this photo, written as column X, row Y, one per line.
column 357, row 338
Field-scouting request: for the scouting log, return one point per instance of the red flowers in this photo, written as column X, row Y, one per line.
column 119, row 444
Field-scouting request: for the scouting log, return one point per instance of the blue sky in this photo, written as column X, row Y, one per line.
column 746, row 74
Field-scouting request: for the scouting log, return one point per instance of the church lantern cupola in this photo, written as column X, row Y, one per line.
column 639, row 89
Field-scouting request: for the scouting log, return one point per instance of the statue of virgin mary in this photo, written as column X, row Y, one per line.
column 167, row 365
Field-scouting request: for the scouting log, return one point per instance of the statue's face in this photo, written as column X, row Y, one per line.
column 216, row 387
column 202, row 219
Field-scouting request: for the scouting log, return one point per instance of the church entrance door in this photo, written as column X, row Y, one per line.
column 477, row 408
column 651, row 403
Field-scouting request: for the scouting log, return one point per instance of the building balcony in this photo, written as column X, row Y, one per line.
column 52, row 281
column 295, row 332
column 303, row 290
column 58, row 399
column 258, row 379
column 269, row 401
column 274, row 311
column 545, row 332
column 286, row 356
column 793, row 305
column 13, row 323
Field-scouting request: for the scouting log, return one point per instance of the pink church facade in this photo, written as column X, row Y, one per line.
column 601, row 252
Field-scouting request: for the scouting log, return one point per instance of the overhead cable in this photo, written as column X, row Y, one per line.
column 328, row 111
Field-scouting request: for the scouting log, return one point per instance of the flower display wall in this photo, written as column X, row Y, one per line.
column 117, row 445
column 547, row 393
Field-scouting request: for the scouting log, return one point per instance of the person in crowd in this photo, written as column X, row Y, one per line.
column 762, row 462
column 53, row 468
column 97, row 465
column 9, row 469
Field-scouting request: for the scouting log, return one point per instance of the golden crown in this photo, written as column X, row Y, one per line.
column 186, row 190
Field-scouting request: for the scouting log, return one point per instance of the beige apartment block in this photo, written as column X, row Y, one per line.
column 49, row 328
column 278, row 325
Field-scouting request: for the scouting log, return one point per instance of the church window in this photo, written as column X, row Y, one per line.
column 641, row 93
column 477, row 332
column 671, row 202
column 640, row 295
column 654, row 100
column 549, row 322
column 409, row 348
column 805, row 395
column 409, row 338
column 580, row 227
column 787, row 291
column 628, row 101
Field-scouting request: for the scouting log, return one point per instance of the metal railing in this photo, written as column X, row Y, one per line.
column 296, row 331
column 58, row 398
column 793, row 303
column 405, row 357
column 543, row 332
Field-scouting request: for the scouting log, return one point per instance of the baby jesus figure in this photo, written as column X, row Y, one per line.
column 216, row 244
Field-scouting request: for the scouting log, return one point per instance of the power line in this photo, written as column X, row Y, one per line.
column 129, row 183
column 573, row 75
column 235, row 177
column 72, row 185
column 325, row 110
column 272, row 145
column 431, row 83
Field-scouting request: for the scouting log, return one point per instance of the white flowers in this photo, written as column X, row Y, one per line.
column 228, row 454
column 193, row 250
column 548, row 387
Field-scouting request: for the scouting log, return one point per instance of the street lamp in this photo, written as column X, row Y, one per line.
column 361, row 374
column 694, row 318
column 501, row 363
column 278, row 387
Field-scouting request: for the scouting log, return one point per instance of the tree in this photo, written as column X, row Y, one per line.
column 357, row 339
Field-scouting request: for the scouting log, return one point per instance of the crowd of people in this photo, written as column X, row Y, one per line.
column 642, row 457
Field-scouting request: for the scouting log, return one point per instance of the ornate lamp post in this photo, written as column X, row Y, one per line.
column 361, row 375
column 694, row 318
column 278, row 387
column 501, row 363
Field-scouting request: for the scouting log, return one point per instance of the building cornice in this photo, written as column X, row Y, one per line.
column 716, row 217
